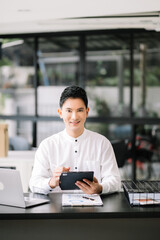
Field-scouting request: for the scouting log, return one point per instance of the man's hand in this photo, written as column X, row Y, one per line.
column 54, row 181
column 90, row 187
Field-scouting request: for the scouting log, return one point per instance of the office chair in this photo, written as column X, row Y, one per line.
column 120, row 148
column 144, row 152
column 18, row 143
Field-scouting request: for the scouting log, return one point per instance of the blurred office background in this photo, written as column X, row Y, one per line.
column 114, row 54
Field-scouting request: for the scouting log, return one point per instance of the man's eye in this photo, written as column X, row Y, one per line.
column 68, row 110
column 80, row 110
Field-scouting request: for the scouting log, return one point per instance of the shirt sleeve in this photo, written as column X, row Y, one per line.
column 110, row 176
column 41, row 173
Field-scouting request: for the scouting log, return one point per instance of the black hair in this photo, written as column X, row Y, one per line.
column 73, row 92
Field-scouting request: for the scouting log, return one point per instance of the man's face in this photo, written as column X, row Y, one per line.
column 74, row 114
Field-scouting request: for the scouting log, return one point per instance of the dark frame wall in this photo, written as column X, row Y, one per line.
column 133, row 121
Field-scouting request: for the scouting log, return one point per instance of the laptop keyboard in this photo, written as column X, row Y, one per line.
column 29, row 200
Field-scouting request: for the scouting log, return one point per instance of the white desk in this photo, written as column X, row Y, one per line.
column 22, row 161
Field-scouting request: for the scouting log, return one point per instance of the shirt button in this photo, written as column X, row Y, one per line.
column 75, row 167
column 76, row 140
column 76, row 151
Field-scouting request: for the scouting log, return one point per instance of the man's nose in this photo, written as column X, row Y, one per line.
column 74, row 115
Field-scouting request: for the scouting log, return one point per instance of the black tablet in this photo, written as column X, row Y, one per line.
column 68, row 179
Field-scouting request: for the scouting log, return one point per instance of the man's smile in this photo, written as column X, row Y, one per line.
column 74, row 122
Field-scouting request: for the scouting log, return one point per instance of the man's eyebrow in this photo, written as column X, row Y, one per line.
column 81, row 108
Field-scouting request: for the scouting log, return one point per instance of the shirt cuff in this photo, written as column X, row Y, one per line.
column 49, row 188
column 46, row 186
column 105, row 188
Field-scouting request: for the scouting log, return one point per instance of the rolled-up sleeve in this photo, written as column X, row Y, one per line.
column 41, row 175
column 110, row 176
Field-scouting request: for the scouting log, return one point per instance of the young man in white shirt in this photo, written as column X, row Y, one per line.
column 75, row 149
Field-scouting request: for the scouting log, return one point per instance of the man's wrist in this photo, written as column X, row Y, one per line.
column 50, row 184
column 100, row 188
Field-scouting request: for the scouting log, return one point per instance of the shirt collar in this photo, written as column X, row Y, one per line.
column 72, row 139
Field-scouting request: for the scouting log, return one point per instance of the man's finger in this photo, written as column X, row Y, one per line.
column 87, row 181
column 66, row 169
column 95, row 180
column 57, row 174
column 83, row 185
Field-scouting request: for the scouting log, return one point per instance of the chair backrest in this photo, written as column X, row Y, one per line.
column 18, row 143
column 120, row 150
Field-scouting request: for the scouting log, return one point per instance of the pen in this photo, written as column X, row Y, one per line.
column 92, row 199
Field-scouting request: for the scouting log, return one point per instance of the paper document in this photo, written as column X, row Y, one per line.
column 81, row 200
column 146, row 201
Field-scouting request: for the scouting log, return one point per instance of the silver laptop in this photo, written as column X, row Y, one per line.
column 11, row 192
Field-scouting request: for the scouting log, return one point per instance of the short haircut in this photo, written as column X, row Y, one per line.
column 73, row 92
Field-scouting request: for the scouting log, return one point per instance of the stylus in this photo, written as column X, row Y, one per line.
column 92, row 199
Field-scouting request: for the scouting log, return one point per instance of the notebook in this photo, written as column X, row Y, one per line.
column 76, row 200
column 11, row 192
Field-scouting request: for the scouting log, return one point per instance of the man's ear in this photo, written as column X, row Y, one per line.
column 87, row 111
column 60, row 112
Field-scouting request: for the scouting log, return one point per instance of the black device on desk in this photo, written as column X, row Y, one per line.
column 142, row 192
column 68, row 179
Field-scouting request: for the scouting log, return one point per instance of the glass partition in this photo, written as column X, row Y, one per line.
column 58, row 59
column 111, row 131
column 146, row 75
column 107, row 74
column 98, row 61
column 20, row 134
column 17, row 94
column 16, row 77
column 147, row 150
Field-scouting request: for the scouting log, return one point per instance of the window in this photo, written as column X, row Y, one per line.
column 146, row 75
column 17, row 76
column 58, row 59
column 16, row 84
column 107, row 77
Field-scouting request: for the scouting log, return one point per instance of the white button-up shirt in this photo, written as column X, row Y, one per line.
column 89, row 152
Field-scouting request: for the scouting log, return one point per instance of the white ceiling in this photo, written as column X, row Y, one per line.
column 34, row 16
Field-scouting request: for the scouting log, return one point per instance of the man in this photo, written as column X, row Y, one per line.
column 75, row 149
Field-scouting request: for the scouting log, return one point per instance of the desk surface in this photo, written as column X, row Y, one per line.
column 115, row 206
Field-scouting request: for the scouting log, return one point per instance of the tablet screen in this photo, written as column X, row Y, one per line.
column 68, row 179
